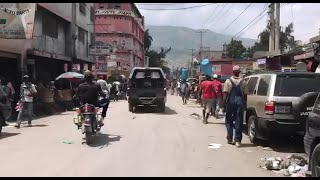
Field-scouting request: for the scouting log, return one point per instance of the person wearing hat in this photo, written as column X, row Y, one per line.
column 27, row 91
column 217, row 100
column 235, row 100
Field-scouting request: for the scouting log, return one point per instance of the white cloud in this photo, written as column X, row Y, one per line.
column 304, row 16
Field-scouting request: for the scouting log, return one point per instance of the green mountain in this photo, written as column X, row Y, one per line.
column 183, row 39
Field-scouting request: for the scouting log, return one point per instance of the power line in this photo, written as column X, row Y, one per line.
column 222, row 15
column 259, row 15
column 161, row 4
column 215, row 17
column 237, row 17
column 190, row 7
column 213, row 12
column 283, row 5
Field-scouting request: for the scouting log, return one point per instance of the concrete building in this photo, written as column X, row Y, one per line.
column 61, row 35
column 120, row 26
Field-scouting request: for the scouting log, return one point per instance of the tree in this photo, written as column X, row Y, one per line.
column 235, row 49
column 147, row 40
column 287, row 41
column 155, row 57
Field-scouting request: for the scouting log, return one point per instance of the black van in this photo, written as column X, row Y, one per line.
column 147, row 88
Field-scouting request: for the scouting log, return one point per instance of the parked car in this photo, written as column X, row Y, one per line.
column 312, row 138
column 147, row 88
column 276, row 102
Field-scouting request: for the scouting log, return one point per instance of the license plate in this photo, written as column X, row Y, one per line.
column 282, row 109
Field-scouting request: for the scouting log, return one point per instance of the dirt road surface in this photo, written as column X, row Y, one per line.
column 133, row 144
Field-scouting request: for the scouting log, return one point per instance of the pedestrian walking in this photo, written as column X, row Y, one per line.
column 218, row 87
column 208, row 90
column 104, row 101
column 184, row 91
column 179, row 87
column 27, row 91
column 235, row 101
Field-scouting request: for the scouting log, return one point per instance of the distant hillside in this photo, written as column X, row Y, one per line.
column 181, row 39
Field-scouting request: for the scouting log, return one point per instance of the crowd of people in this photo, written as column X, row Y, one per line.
column 230, row 97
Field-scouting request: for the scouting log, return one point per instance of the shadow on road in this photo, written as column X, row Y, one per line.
column 7, row 135
column 102, row 140
column 154, row 110
column 39, row 125
column 280, row 143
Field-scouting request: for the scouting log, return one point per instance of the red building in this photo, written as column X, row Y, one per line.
column 121, row 26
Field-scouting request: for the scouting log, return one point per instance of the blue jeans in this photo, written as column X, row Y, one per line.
column 234, row 120
column 26, row 110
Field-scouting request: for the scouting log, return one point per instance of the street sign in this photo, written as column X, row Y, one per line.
column 99, row 50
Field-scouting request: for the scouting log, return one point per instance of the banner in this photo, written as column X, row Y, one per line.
column 17, row 20
column 99, row 50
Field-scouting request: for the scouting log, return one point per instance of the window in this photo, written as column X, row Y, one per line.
column 114, row 5
column 296, row 85
column 49, row 25
column 81, row 34
column 263, row 85
column 101, row 5
column 92, row 13
column 252, row 85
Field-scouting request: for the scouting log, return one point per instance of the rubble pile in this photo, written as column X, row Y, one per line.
column 294, row 165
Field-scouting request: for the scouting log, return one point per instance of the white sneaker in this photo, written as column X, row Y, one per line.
column 238, row 144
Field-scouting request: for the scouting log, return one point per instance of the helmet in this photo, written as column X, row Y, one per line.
column 215, row 76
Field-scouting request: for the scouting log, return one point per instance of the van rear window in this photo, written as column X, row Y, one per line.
column 296, row 86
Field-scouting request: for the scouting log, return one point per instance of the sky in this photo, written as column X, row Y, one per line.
column 220, row 17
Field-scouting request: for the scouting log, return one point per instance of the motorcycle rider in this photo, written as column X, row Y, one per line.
column 89, row 92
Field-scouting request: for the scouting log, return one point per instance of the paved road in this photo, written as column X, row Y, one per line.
column 142, row 144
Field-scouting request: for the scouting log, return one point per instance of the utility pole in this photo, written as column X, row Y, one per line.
column 277, row 28
column 272, row 27
column 192, row 66
column 200, row 51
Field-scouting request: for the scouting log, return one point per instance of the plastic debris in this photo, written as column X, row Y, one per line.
column 294, row 165
column 214, row 146
column 195, row 116
column 67, row 142
column 267, row 149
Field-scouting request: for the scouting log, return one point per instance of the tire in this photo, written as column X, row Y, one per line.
column 162, row 107
column 252, row 129
column 130, row 107
column 89, row 137
column 315, row 160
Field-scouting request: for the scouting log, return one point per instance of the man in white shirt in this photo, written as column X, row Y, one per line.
column 104, row 101
column 27, row 91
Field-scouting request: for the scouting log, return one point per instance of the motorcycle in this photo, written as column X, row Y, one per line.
column 87, row 121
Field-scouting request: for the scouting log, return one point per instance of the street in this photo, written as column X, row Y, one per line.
column 133, row 144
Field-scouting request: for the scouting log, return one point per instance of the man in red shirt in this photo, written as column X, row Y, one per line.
column 218, row 88
column 208, row 94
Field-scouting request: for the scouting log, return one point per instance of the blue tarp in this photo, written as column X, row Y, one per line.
column 184, row 73
column 205, row 67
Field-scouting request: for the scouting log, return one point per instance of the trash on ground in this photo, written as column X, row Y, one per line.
column 67, row 142
column 267, row 149
column 214, row 146
column 195, row 116
column 294, row 165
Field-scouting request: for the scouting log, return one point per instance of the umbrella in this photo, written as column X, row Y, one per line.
column 70, row 75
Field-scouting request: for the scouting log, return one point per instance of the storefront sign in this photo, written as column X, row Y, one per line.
column 17, row 20
column 99, row 50
column 112, row 64
column 216, row 68
column 114, row 12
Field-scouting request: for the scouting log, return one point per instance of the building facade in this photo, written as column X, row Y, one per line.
column 61, row 35
column 121, row 27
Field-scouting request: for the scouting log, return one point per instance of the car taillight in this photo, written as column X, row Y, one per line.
column 269, row 108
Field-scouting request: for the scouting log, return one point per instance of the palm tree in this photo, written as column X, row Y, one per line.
column 147, row 40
